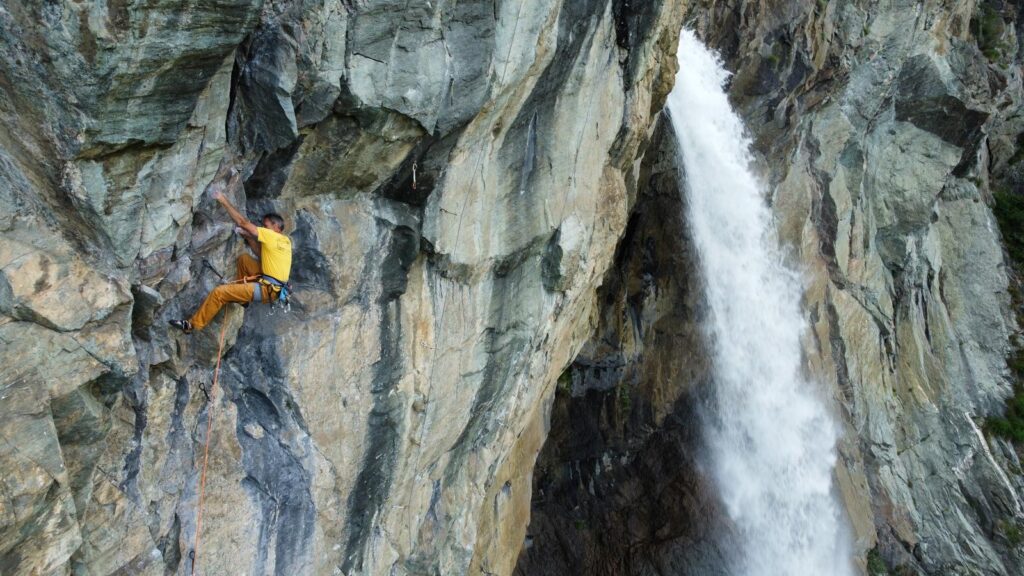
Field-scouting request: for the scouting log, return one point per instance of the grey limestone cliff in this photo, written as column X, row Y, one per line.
column 535, row 288
column 388, row 423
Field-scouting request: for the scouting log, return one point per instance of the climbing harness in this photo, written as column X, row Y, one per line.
column 194, row 554
column 283, row 289
column 280, row 292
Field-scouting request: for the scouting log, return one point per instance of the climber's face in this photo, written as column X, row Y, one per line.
column 269, row 223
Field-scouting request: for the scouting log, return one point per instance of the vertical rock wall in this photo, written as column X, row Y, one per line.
column 389, row 422
column 618, row 487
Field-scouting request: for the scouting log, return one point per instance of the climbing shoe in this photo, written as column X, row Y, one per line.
column 183, row 325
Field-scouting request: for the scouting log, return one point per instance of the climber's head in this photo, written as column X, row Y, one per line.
column 273, row 221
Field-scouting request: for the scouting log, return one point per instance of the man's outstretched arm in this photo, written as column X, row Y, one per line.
column 240, row 220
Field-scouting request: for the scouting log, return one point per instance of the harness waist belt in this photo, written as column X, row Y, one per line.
column 273, row 281
column 281, row 289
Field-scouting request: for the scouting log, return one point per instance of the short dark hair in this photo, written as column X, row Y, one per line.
column 275, row 218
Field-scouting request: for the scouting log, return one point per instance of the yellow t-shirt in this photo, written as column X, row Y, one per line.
column 275, row 253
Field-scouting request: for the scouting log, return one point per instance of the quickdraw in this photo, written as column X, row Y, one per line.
column 206, row 264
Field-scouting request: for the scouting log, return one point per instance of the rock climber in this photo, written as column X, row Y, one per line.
column 259, row 279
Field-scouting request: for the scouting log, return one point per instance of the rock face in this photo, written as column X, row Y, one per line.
column 386, row 424
column 390, row 421
column 617, row 489
column 883, row 129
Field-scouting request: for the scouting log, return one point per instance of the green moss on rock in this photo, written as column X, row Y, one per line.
column 1009, row 212
column 988, row 27
column 876, row 566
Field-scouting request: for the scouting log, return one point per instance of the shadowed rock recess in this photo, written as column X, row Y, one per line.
column 536, row 288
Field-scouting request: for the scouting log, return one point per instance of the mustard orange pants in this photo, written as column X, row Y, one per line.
column 240, row 292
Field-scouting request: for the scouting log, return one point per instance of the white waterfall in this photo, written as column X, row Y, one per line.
column 770, row 437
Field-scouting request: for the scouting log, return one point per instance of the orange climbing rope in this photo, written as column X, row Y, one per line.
column 206, row 449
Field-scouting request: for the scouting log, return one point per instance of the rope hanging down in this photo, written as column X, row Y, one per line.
column 206, row 450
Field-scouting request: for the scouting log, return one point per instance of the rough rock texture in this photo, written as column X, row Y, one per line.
column 386, row 424
column 389, row 422
column 617, row 489
column 882, row 128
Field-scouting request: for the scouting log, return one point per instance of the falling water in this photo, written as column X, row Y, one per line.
column 771, row 439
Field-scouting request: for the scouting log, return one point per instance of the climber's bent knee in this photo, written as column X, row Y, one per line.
column 247, row 266
column 218, row 297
